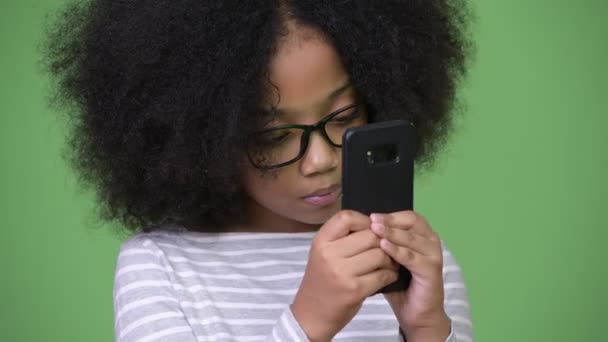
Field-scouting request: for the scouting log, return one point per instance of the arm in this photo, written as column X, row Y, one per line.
column 435, row 305
column 147, row 307
column 456, row 301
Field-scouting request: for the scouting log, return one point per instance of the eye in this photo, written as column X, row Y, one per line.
column 273, row 137
column 347, row 115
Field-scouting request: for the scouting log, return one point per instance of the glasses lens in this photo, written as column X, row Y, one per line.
column 275, row 146
column 341, row 121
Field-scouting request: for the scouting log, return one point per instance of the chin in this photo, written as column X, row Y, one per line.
column 321, row 216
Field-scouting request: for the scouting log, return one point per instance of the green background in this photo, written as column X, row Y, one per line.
column 518, row 193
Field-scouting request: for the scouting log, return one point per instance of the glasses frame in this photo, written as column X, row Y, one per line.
column 308, row 129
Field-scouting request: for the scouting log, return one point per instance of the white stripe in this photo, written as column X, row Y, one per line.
column 457, row 302
column 141, row 284
column 463, row 320
column 450, row 268
column 275, row 336
column 178, row 259
column 139, row 251
column 211, row 320
column 229, row 305
column 374, row 318
column 375, row 302
column 142, row 302
column 453, row 286
column 239, row 321
column 289, row 275
column 463, row 338
column 249, row 338
column 197, row 288
column 255, row 265
column 226, row 336
column 186, row 274
column 289, row 329
column 139, row 267
column 224, row 237
column 199, row 305
column 236, row 321
column 148, row 319
column 349, row 334
column 165, row 332
column 282, row 250
column 143, row 251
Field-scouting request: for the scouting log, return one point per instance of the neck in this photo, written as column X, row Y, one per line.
column 262, row 220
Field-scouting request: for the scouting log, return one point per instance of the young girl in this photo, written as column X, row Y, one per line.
column 183, row 115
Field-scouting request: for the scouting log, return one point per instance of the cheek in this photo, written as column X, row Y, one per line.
column 270, row 187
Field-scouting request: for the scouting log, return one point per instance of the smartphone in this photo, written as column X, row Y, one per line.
column 378, row 173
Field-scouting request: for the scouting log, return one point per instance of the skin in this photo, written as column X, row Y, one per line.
column 303, row 85
column 353, row 255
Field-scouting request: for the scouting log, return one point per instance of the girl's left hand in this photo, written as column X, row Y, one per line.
column 411, row 242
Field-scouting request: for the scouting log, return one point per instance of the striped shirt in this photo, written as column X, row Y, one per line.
column 188, row 286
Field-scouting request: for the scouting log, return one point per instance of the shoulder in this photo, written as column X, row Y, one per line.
column 140, row 255
column 142, row 247
column 154, row 239
column 147, row 294
column 150, row 256
column 170, row 247
column 160, row 244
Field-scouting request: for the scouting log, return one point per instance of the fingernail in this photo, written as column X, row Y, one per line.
column 378, row 228
column 385, row 244
column 377, row 218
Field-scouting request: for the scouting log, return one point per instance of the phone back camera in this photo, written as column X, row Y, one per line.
column 383, row 154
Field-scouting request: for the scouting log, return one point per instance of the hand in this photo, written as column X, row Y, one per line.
column 409, row 240
column 345, row 266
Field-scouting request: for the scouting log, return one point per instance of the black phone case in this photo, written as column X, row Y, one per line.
column 379, row 188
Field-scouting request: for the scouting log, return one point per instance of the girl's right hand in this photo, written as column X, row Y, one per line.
column 345, row 266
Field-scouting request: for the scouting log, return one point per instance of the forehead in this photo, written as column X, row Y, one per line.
column 305, row 70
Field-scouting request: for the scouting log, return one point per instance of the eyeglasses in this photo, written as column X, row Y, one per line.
column 283, row 145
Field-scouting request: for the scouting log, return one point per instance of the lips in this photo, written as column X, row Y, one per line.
column 324, row 191
column 324, row 196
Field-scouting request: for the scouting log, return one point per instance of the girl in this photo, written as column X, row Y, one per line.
column 183, row 115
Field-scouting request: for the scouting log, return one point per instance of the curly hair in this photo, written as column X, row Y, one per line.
column 159, row 95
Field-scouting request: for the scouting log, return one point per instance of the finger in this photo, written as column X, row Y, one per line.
column 369, row 261
column 410, row 259
column 404, row 256
column 406, row 220
column 408, row 239
column 342, row 224
column 356, row 243
column 372, row 282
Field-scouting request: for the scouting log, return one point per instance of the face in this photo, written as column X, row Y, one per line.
column 311, row 83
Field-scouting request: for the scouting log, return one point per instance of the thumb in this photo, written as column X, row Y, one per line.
column 342, row 224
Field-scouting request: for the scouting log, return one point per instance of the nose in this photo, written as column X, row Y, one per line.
column 320, row 157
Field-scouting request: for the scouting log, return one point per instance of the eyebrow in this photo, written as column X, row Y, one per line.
column 339, row 91
column 332, row 96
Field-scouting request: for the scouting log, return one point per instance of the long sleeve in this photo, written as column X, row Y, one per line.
column 456, row 300
column 148, row 305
